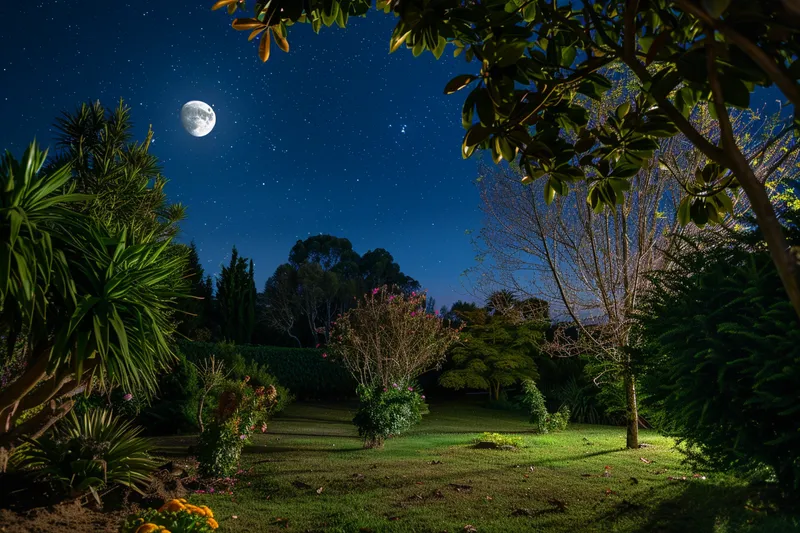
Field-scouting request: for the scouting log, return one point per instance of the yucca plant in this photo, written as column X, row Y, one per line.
column 92, row 306
column 90, row 452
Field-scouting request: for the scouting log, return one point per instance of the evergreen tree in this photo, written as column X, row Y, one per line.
column 236, row 296
column 197, row 310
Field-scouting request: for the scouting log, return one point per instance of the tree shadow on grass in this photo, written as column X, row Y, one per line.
column 700, row 508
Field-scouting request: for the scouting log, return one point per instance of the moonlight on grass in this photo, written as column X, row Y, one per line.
column 198, row 118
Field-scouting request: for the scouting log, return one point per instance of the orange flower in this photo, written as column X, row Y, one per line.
column 213, row 523
column 147, row 528
column 207, row 510
column 172, row 506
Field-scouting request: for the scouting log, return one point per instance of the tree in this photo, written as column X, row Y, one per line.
column 535, row 57
column 91, row 306
column 236, row 296
column 198, row 309
column 378, row 268
column 721, row 349
column 496, row 351
column 123, row 177
column 281, row 301
column 388, row 338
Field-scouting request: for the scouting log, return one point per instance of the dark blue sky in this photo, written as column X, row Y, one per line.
column 335, row 137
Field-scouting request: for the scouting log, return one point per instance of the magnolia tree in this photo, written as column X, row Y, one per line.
column 388, row 338
column 385, row 342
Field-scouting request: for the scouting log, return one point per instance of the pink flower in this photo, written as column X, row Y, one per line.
column 324, row 355
column 411, row 388
column 385, row 389
column 391, row 297
column 264, row 427
column 413, row 294
column 128, row 397
column 423, row 396
column 317, row 345
column 395, row 385
column 242, row 436
column 375, row 291
column 413, row 313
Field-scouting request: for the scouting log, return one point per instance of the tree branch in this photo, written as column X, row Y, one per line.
column 774, row 71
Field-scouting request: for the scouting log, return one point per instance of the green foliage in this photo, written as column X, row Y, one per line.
column 497, row 350
column 240, row 411
column 197, row 312
column 91, row 305
column 384, row 412
column 236, row 297
column 122, row 176
column 303, row 371
column 90, row 452
column 581, row 400
column 499, row 439
column 722, row 348
column 174, row 408
column 543, row 421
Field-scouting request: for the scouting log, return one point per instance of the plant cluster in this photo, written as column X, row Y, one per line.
column 89, row 452
column 498, row 439
column 385, row 412
column 543, row 421
column 175, row 516
column 241, row 411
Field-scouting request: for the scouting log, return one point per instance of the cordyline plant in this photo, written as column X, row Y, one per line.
column 388, row 338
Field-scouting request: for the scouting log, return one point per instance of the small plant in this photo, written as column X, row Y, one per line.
column 543, row 421
column 387, row 411
column 498, row 440
column 175, row 516
column 240, row 412
column 89, row 452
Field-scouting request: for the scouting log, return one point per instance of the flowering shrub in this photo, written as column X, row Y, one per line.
column 388, row 338
column 240, row 412
column 387, row 411
column 175, row 516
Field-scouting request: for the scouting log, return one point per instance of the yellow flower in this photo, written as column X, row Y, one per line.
column 182, row 500
column 213, row 523
column 207, row 510
column 166, row 531
column 193, row 509
column 147, row 528
column 172, row 506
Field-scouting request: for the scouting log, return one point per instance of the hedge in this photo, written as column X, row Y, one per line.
column 303, row 371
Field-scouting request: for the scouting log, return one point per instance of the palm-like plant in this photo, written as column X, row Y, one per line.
column 124, row 177
column 104, row 313
column 91, row 452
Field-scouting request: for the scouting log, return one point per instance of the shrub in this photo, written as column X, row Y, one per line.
column 722, row 346
column 498, row 439
column 387, row 411
column 581, row 400
column 543, row 421
column 174, row 409
column 301, row 370
column 89, row 452
column 240, row 411
column 175, row 516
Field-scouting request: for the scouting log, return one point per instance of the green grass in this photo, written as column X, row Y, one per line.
column 418, row 482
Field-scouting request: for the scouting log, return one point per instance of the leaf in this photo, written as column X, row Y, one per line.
column 458, row 83
column 735, row 92
column 255, row 33
column 658, row 43
column 394, row 45
column 645, row 461
column 222, row 3
column 263, row 46
column 246, row 24
column 485, row 107
column 623, row 110
column 319, row 490
column 280, row 40
column 716, row 8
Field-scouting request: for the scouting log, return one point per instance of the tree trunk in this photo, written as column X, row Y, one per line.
column 631, row 411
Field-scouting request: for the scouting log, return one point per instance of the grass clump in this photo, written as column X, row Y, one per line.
column 497, row 440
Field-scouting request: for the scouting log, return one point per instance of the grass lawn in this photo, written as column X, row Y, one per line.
column 310, row 473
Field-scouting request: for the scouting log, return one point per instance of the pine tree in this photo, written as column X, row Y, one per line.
column 236, row 296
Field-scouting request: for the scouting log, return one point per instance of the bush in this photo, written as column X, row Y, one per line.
column 387, row 411
column 303, row 371
column 240, row 411
column 89, row 452
column 722, row 347
column 175, row 516
column 174, row 409
column 498, row 439
column 543, row 421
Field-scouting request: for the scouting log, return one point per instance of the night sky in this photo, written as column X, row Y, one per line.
column 334, row 137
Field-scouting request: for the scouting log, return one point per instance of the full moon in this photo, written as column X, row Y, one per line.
column 198, row 118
